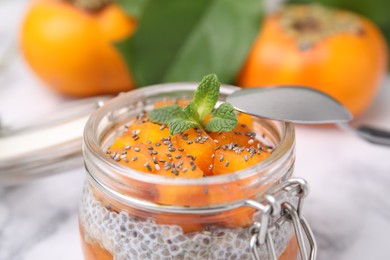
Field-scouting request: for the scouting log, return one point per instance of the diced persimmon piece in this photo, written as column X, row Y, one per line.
column 241, row 135
column 291, row 251
column 182, row 195
column 171, row 160
column 135, row 157
column 147, row 132
column 228, row 161
column 122, row 141
column 237, row 218
column 93, row 251
column 197, row 142
column 185, row 171
column 174, row 162
column 245, row 119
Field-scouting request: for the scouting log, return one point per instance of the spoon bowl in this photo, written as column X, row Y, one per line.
column 293, row 104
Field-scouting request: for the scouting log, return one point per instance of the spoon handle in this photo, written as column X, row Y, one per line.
column 374, row 135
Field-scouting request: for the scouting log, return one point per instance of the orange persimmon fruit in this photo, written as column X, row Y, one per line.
column 72, row 49
column 334, row 51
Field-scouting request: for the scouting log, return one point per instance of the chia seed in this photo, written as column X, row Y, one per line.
column 167, row 166
column 180, row 164
column 175, row 171
column 147, row 165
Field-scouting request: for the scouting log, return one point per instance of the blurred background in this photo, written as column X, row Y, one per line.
column 59, row 58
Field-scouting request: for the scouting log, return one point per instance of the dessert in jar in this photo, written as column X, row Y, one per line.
column 173, row 172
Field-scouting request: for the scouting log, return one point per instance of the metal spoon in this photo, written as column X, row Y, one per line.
column 303, row 106
column 291, row 104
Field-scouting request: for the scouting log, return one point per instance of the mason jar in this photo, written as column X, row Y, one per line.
column 255, row 213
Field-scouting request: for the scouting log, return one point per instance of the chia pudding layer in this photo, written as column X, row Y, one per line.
column 128, row 237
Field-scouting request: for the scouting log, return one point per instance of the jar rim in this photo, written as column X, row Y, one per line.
column 92, row 143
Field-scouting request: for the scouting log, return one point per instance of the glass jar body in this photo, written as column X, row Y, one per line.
column 125, row 214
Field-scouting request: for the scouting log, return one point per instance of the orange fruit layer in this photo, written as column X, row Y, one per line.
column 96, row 252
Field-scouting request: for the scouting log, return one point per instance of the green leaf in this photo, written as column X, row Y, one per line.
column 190, row 112
column 165, row 114
column 223, row 119
column 179, row 125
column 179, row 40
column 206, row 96
column 133, row 8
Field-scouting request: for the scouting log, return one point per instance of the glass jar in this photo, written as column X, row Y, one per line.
column 127, row 214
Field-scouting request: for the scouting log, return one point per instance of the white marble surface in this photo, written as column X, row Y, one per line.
column 348, row 207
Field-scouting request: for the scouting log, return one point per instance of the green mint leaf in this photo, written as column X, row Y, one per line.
column 190, row 112
column 206, row 96
column 179, row 125
column 165, row 114
column 223, row 119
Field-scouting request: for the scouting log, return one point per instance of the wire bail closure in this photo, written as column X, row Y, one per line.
column 285, row 212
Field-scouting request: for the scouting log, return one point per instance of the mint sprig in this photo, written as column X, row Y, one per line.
column 194, row 114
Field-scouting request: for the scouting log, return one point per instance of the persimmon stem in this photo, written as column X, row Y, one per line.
column 309, row 24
